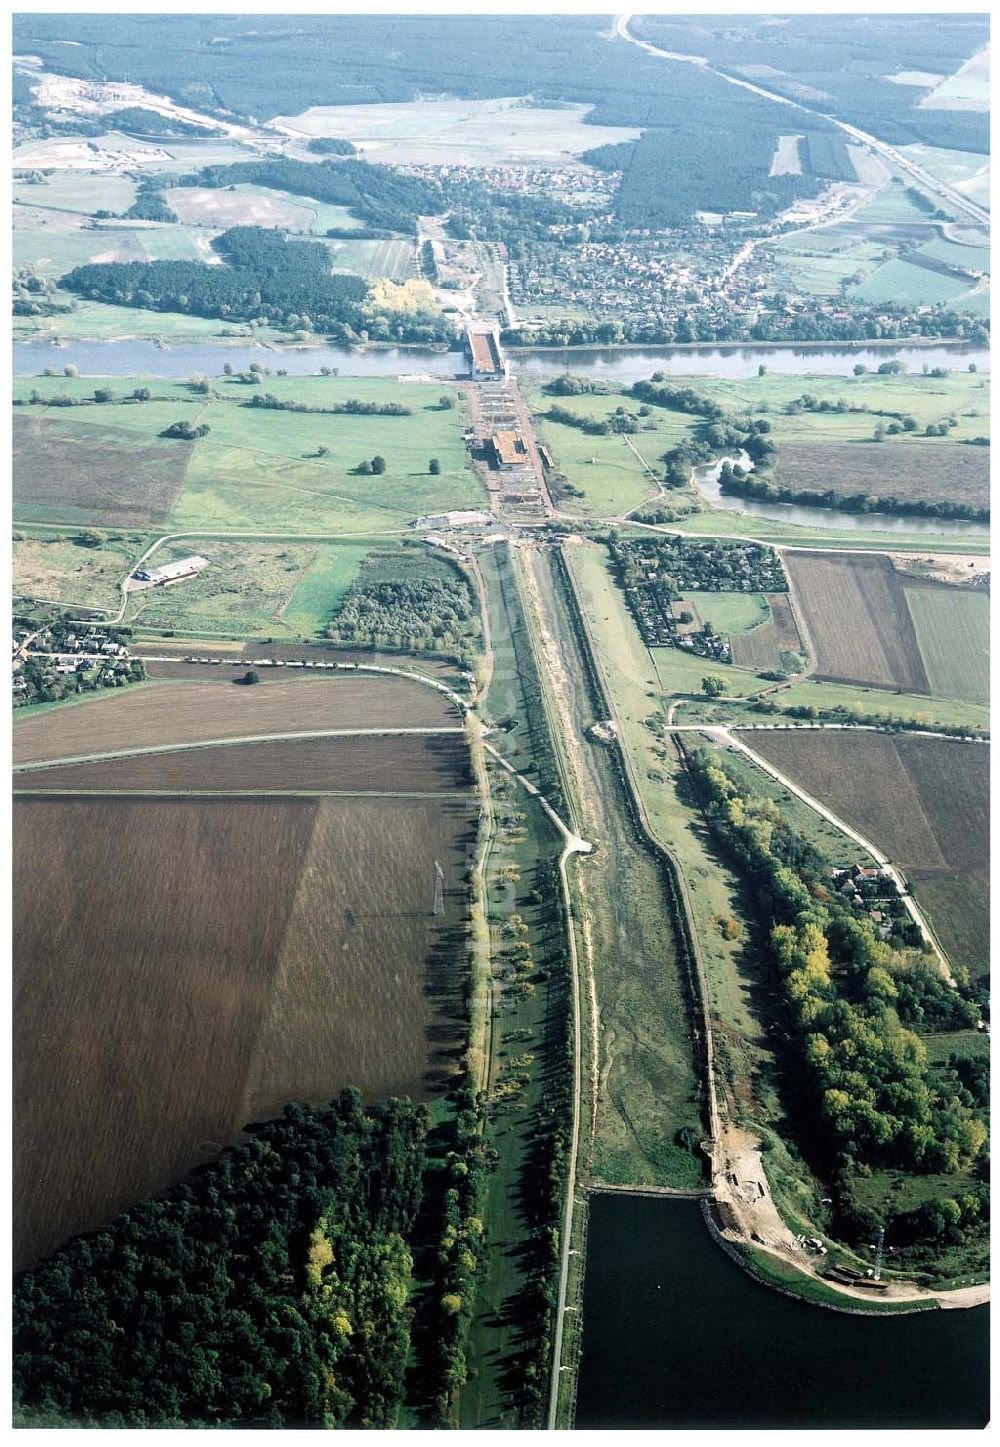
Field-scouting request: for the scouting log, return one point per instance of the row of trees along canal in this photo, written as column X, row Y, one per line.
column 859, row 1087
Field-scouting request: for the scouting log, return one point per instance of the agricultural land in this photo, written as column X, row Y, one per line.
column 456, row 777
column 924, row 802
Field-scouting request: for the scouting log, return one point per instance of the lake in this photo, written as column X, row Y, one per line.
column 611, row 364
column 676, row 1335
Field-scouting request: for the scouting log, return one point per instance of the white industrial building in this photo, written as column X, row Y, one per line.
column 174, row 572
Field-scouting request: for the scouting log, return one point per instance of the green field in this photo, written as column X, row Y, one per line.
column 730, row 612
column 960, row 393
column 899, row 280
column 715, row 522
column 927, row 711
column 953, row 634
column 438, row 132
column 892, row 206
column 320, row 589
column 393, row 259
column 99, row 322
column 681, row 672
column 606, row 470
column 252, row 589
column 248, row 205
column 79, row 191
column 51, row 248
column 260, row 470
column 967, row 255
column 65, row 570
column 823, row 262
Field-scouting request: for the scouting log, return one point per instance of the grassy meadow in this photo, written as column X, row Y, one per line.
column 257, row 470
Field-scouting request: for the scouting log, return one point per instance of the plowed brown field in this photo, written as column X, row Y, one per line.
column 184, row 966
column 424, row 762
column 179, row 713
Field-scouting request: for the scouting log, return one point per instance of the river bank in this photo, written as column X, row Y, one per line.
column 144, row 356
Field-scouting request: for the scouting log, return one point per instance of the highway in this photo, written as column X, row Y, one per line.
column 860, row 137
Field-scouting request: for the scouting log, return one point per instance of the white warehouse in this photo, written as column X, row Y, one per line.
column 174, row 572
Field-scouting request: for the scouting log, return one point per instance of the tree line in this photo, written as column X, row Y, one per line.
column 735, row 481
column 853, row 1003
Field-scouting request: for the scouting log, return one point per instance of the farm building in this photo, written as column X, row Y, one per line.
column 174, row 572
column 488, row 363
column 507, row 450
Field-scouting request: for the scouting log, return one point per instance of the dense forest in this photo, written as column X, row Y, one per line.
column 668, row 175
column 713, row 143
column 858, row 1076
column 138, row 121
column 844, row 65
column 387, row 198
column 408, row 601
column 266, row 275
column 710, row 144
column 268, row 1289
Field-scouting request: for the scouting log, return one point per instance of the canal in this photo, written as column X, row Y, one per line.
column 676, row 1335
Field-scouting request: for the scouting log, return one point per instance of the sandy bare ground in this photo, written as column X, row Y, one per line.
column 948, row 567
column 741, row 1181
column 103, row 98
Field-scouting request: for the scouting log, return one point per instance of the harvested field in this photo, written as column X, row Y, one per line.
column 186, row 713
column 924, row 802
column 916, row 471
column 953, row 634
column 241, row 206
column 856, row 615
column 62, row 475
column 204, row 961
column 423, row 763
column 764, row 645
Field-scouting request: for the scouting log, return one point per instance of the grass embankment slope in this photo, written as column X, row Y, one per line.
column 647, row 1115
column 526, row 1009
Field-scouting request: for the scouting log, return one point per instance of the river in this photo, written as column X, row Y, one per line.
column 706, row 480
column 676, row 1335
column 619, row 365
column 143, row 358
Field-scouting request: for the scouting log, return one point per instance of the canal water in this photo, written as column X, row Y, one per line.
column 676, row 1335
column 619, row 365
